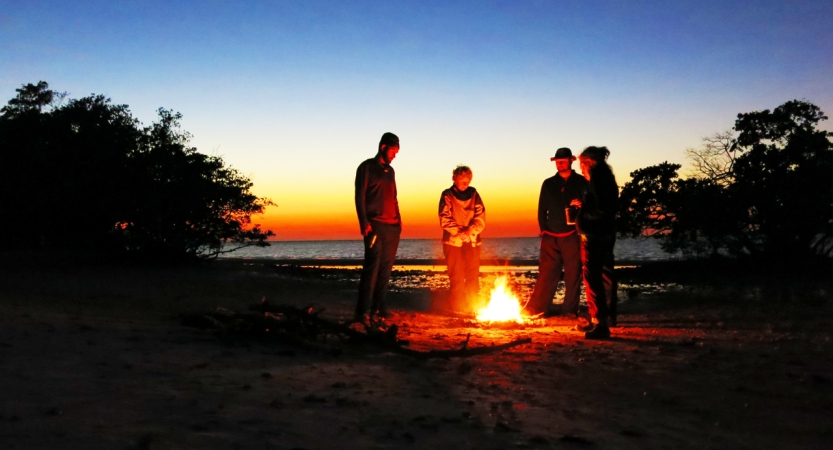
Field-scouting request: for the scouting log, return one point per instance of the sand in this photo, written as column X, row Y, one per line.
column 93, row 356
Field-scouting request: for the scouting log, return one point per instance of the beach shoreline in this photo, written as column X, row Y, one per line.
column 94, row 356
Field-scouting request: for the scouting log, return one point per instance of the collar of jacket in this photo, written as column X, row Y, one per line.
column 573, row 173
column 381, row 161
column 462, row 195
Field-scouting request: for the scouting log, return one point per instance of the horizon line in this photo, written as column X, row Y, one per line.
column 401, row 239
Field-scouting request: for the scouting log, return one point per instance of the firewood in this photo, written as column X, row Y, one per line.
column 463, row 352
column 303, row 327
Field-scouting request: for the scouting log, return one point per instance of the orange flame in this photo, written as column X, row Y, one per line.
column 503, row 305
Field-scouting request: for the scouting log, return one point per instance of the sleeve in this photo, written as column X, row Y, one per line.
column 478, row 222
column 543, row 201
column 361, row 197
column 590, row 204
column 446, row 218
column 396, row 201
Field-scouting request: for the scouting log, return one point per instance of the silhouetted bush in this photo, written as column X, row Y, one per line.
column 86, row 173
column 774, row 199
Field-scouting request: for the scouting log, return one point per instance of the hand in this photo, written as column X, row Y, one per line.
column 465, row 236
column 367, row 230
column 576, row 203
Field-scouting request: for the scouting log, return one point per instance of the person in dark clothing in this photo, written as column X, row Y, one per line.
column 560, row 243
column 611, row 287
column 380, row 224
column 596, row 227
column 462, row 218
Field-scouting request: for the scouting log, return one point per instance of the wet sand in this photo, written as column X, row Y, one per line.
column 93, row 356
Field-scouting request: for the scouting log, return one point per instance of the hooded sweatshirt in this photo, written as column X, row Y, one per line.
column 461, row 211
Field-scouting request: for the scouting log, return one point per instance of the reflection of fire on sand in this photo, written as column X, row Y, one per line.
column 95, row 357
column 306, row 327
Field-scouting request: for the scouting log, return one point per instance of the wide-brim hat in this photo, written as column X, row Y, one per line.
column 563, row 153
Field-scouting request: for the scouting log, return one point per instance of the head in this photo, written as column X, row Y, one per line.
column 563, row 161
column 592, row 158
column 388, row 147
column 461, row 176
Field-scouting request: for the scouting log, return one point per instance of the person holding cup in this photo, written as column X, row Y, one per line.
column 560, row 243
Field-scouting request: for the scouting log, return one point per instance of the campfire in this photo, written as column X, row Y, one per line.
column 503, row 305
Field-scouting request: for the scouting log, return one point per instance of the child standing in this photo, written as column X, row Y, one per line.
column 462, row 218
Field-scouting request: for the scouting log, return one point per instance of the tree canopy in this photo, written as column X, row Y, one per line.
column 761, row 190
column 87, row 173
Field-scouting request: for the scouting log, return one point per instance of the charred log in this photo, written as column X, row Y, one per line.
column 305, row 328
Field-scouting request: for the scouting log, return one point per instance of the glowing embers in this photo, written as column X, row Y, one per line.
column 503, row 305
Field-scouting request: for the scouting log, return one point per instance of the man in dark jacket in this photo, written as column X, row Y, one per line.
column 560, row 244
column 380, row 224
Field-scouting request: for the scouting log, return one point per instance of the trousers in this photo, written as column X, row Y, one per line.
column 599, row 282
column 463, row 275
column 380, row 247
column 558, row 253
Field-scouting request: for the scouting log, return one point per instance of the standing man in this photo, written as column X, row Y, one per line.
column 560, row 243
column 462, row 218
column 380, row 224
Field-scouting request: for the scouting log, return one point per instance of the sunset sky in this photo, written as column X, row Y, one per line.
column 296, row 94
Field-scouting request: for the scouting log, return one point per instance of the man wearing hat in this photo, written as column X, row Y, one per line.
column 380, row 224
column 560, row 243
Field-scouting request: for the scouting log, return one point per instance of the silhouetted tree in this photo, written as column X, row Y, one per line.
column 87, row 173
column 212, row 204
column 782, row 180
column 687, row 214
column 646, row 202
column 765, row 192
column 715, row 157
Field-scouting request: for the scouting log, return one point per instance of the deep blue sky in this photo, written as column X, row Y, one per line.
column 297, row 93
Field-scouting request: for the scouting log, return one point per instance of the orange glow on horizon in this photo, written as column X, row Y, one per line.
column 343, row 224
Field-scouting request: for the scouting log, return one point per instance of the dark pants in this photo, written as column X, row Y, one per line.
column 558, row 253
column 378, row 263
column 596, row 253
column 463, row 275
column 611, row 285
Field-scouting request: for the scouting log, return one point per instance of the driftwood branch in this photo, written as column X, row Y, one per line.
column 463, row 352
column 306, row 329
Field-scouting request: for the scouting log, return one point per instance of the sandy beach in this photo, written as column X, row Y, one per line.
column 94, row 357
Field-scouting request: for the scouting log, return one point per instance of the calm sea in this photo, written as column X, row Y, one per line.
column 626, row 250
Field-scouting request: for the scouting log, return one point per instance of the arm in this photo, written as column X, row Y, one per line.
column 478, row 222
column 446, row 218
column 543, row 201
column 361, row 199
column 590, row 203
column 396, row 199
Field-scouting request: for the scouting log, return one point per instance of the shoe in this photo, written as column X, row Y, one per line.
column 583, row 324
column 382, row 313
column 599, row 332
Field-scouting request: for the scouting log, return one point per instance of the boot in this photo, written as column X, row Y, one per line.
column 601, row 331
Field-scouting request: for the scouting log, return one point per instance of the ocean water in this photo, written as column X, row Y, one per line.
column 416, row 275
column 626, row 250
